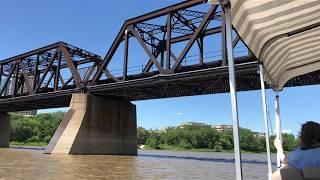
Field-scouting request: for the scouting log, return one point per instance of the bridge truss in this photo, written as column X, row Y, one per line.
column 46, row 77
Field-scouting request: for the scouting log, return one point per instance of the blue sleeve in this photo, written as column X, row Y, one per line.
column 294, row 158
column 304, row 158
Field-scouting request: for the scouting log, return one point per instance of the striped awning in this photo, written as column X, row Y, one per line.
column 283, row 34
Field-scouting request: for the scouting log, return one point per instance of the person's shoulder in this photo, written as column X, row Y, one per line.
column 294, row 153
column 300, row 152
column 316, row 150
column 296, row 150
column 313, row 152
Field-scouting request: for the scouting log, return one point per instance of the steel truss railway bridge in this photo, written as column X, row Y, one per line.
column 46, row 77
column 49, row 76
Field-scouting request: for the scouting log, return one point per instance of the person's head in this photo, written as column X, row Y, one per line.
column 309, row 135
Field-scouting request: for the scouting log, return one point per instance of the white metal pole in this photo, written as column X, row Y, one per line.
column 233, row 94
column 266, row 121
column 278, row 127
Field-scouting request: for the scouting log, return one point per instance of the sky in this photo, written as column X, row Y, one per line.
column 93, row 25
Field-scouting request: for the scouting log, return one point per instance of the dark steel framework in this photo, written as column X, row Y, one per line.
column 181, row 25
column 46, row 77
column 39, row 71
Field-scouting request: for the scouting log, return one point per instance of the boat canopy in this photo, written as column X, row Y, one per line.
column 283, row 34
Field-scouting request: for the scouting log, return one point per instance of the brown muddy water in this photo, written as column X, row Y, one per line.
column 16, row 163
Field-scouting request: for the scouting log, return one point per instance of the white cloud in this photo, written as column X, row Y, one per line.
column 179, row 113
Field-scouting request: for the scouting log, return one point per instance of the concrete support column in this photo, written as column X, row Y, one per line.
column 4, row 129
column 96, row 125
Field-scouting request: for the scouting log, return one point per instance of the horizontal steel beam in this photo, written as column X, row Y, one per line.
column 165, row 11
column 49, row 48
column 30, row 53
column 187, row 37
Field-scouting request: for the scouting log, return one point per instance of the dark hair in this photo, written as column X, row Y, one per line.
column 309, row 135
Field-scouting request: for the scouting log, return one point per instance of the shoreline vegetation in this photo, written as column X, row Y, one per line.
column 28, row 144
column 196, row 137
column 204, row 138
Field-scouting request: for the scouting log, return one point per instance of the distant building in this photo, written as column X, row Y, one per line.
column 186, row 124
column 259, row 134
column 222, row 127
column 28, row 113
column 155, row 130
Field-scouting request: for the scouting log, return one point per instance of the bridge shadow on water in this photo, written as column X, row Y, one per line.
column 223, row 160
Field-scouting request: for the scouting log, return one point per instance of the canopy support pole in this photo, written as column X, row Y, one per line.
column 278, row 127
column 233, row 93
column 266, row 120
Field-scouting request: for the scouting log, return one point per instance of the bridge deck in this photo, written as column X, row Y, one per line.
column 212, row 80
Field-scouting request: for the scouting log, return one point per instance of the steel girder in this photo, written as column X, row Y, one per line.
column 182, row 24
column 49, row 69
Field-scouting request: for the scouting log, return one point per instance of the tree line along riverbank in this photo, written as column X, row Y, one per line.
column 200, row 137
column 38, row 130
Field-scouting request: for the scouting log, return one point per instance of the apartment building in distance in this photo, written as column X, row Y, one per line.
column 28, row 113
column 222, row 127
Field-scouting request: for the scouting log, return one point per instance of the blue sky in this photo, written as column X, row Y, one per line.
column 92, row 25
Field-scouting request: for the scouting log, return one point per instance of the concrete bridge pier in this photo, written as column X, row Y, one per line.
column 4, row 129
column 96, row 125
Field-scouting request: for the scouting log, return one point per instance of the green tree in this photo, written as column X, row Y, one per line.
column 247, row 140
column 39, row 128
column 184, row 144
column 226, row 140
column 143, row 135
column 289, row 142
column 153, row 143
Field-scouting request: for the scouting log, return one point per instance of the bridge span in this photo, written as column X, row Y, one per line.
column 187, row 81
column 51, row 76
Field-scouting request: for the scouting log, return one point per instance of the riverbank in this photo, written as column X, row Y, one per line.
column 43, row 145
column 175, row 148
column 167, row 147
column 28, row 144
column 197, row 137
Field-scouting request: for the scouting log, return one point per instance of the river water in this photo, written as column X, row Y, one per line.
column 33, row 164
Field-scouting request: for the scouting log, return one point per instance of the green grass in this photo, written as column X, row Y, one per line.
column 38, row 144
